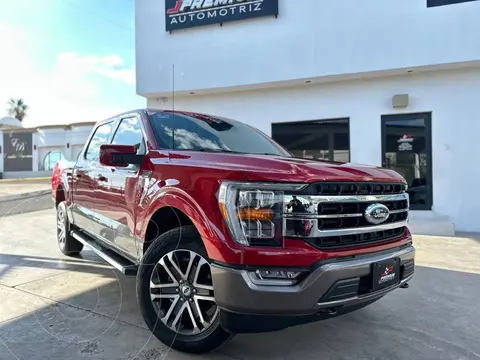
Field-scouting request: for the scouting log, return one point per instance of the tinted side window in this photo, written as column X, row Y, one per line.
column 129, row 132
column 101, row 136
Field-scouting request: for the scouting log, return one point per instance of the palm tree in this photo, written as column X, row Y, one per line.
column 17, row 108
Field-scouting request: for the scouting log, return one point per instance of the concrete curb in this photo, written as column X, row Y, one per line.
column 24, row 196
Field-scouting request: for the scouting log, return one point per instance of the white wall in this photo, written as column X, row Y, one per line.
column 57, row 139
column 310, row 39
column 452, row 96
column 26, row 174
column 1, row 152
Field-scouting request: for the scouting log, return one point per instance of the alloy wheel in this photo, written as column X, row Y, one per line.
column 61, row 229
column 181, row 291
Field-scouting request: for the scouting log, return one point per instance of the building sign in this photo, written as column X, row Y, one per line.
column 181, row 14
column 405, row 143
column 17, row 151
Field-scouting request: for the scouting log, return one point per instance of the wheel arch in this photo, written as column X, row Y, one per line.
column 182, row 203
column 59, row 194
column 163, row 220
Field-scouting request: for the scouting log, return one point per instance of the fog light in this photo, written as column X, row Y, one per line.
column 274, row 277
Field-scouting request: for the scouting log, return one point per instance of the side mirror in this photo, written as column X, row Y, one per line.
column 119, row 155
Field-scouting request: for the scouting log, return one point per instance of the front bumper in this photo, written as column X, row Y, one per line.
column 330, row 288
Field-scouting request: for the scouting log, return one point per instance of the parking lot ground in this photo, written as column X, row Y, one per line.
column 54, row 307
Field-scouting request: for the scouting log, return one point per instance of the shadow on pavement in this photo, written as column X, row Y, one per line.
column 93, row 314
column 85, row 263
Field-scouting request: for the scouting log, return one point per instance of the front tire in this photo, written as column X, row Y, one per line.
column 67, row 244
column 175, row 293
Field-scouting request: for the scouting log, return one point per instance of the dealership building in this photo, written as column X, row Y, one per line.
column 382, row 82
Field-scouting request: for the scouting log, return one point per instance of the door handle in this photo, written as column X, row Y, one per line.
column 79, row 172
column 102, row 178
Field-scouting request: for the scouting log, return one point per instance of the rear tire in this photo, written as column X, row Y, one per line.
column 67, row 244
column 174, row 278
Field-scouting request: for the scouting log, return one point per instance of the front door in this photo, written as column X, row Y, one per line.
column 118, row 191
column 407, row 149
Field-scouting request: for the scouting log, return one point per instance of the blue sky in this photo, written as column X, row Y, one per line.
column 71, row 60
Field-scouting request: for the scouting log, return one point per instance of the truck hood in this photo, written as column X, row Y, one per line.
column 286, row 169
column 305, row 170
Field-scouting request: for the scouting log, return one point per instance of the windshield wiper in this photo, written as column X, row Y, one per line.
column 218, row 150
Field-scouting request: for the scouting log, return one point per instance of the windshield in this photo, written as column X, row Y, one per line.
column 196, row 132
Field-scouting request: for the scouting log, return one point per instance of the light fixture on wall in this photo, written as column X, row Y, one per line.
column 68, row 145
column 34, row 147
column 400, row 101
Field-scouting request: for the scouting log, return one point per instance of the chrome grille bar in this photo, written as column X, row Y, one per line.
column 304, row 216
column 353, row 198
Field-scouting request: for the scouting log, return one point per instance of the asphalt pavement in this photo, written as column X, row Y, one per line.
column 22, row 196
column 54, row 307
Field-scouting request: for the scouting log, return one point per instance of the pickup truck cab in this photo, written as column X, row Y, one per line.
column 226, row 231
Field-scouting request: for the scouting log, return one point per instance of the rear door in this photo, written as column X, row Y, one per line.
column 84, row 181
column 119, row 189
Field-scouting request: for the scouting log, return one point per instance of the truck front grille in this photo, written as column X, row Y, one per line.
column 342, row 221
column 353, row 240
column 356, row 188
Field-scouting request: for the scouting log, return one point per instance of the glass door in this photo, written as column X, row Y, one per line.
column 407, row 149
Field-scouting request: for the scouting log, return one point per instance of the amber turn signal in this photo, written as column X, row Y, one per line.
column 249, row 214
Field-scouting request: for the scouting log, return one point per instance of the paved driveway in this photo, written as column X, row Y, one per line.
column 54, row 307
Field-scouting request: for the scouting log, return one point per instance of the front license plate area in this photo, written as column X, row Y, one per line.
column 386, row 273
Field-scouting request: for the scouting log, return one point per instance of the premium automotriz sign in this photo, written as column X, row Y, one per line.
column 180, row 14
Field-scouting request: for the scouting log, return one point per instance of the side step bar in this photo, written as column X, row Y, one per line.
column 110, row 256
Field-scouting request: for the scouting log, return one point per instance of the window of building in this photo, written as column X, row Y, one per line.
column 129, row 132
column 319, row 139
column 101, row 136
column 407, row 149
column 51, row 159
column 433, row 3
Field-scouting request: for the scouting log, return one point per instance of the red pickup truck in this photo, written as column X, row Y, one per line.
column 226, row 231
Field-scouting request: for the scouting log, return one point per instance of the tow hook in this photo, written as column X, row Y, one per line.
column 405, row 286
column 330, row 311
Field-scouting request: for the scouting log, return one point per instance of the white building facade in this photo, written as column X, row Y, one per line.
column 382, row 82
column 33, row 152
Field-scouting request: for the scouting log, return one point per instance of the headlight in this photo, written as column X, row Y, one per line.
column 253, row 211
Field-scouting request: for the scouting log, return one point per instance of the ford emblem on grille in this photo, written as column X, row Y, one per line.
column 377, row 214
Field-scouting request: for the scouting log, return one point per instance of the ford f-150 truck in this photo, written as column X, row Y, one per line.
column 227, row 232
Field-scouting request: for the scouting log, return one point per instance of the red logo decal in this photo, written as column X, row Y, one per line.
column 387, row 271
column 176, row 9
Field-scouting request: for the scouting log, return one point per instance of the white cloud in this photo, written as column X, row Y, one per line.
column 110, row 66
column 64, row 94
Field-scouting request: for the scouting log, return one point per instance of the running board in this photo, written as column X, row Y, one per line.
column 117, row 261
